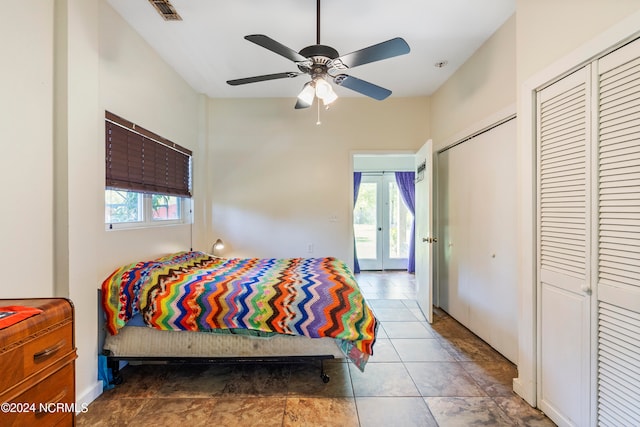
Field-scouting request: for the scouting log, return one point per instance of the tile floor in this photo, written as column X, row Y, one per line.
column 420, row 375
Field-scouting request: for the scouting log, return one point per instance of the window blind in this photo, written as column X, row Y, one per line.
column 139, row 160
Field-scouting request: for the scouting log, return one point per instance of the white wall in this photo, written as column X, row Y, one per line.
column 26, row 137
column 548, row 30
column 278, row 178
column 482, row 86
column 136, row 84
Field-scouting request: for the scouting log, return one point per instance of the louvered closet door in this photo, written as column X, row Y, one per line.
column 564, row 304
column 619, row 238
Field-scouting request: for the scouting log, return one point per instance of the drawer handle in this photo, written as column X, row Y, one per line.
column 47, row 352
column 51, row 405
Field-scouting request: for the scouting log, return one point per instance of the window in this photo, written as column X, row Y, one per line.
column 148, row 178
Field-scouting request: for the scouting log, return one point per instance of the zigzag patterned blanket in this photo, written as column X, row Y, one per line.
column 193, row 291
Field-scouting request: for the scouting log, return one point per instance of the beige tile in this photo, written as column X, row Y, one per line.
column 382, row 379
column 522, row 413
column 458, row 411
column 421, row 350
column 495, row 378
column 175, row 412
column 443, row 379
column 320, row 411
column 140, row 381
column 445, row 327
column 262, row 411
column 407, row 330
column 383, row 351
column 257, row 380
column 196, row 381
column 469, row 349
column 394, row 411
column 394, row 315
column 305, row 380
column 107, row 412
column 386, row 303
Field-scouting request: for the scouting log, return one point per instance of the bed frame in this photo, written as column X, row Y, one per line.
column 113, row 362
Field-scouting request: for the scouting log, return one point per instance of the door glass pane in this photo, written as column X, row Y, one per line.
column 364, row 221
column 399, row 224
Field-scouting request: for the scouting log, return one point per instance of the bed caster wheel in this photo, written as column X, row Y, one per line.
column 325, row 378
column 117, row 380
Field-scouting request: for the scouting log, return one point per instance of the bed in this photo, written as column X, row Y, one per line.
column 192, row 307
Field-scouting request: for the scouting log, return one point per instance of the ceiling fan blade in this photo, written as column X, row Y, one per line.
column 274, row 46
column 377, row 52
column 361, row 86
column 263, row 78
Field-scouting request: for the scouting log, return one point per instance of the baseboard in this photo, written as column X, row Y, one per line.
column 524, row 392
column 92, row 393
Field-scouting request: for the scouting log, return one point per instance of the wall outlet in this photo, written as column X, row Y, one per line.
column 310, row 248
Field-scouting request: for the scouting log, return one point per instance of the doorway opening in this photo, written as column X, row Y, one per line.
column 382, row 222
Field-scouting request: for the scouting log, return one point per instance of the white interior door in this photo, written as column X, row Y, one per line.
column 423, row 238
column 564, row 239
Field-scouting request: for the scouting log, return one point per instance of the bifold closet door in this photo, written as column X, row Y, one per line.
column 564, row 233
column 618, row 280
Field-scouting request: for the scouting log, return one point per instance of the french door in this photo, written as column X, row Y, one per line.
column 382, row 224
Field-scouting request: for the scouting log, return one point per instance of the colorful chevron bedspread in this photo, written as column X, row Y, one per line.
column 194, row 291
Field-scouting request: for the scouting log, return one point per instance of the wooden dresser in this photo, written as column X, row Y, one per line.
column 37, row 366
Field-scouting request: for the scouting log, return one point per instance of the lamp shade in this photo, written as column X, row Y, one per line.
column 305, row 98
column 218, row 245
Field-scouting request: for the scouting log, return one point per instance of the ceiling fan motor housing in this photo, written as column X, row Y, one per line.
column 320, row 55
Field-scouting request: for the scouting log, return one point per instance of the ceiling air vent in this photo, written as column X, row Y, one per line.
column 166, row 10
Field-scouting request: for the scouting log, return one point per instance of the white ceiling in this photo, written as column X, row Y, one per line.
column 207, row 47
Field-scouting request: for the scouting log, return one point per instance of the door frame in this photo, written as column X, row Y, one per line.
column 617, row 35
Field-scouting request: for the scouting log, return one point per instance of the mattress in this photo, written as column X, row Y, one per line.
column 135, row 341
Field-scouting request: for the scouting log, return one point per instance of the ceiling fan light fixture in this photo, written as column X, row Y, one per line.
column 305, row 97
column 324, row 91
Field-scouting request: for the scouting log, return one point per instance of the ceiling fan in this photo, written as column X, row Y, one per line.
column 324, row 63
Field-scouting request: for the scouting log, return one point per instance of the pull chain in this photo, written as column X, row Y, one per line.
column 318, row 103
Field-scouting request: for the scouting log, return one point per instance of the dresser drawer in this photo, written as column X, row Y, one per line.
column 34, row 355
column 47, row 349
column 47, row 403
